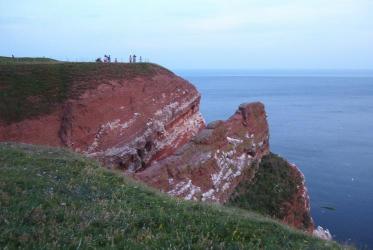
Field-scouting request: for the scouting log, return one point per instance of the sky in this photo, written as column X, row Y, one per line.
column 194, row 34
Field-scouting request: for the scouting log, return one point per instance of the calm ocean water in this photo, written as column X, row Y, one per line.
column 323, row 122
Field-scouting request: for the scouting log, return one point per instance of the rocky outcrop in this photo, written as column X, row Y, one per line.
column 297, row 209
column 278, row 190
column 124, row 122
column 211, row 165
column 223, row 163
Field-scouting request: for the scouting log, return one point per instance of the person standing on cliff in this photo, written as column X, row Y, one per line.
column 134, row 58
column 130, row 60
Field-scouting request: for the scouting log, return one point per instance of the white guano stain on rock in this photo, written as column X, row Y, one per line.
column 322, row 233
column 185, row 189
column 109, row 126
column 190, row 125
column 230, row 166
column 234, row 141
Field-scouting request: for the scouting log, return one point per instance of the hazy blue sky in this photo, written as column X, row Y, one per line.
column 194, row 33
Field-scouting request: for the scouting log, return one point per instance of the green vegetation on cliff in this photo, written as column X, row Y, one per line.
column 28, row 90
column 54, row 199
column 273, row 186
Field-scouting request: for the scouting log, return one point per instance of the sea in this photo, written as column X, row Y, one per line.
column 321, row 120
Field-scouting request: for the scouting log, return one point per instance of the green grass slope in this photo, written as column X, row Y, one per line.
column 30, row 90
column 55, row 199
column 4, row 59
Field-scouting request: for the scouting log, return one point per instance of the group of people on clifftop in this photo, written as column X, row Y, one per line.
column 107, row 59
column 133, row 59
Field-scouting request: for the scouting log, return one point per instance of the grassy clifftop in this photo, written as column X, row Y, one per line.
column 4, row 59
column 52, row 198
column 28, row 90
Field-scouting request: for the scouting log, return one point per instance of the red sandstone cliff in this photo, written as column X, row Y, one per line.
column 149, row 126
column 210, row 166
column 297, row 210
column 126, row 122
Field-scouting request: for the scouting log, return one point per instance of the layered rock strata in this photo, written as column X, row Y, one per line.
column 126, row 123
column 210, row 166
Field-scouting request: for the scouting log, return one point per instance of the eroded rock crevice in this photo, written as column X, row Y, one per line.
column 66, row 126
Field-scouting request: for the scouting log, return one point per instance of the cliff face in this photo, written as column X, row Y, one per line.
column 211, row 165
column 230, row 162
column 124, row 121
column 297, row 208
column 145, row 120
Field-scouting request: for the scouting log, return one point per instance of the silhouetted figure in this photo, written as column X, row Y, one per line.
column 140, row 59
column 107, row 59
column 130, row 60
column 134, row 59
